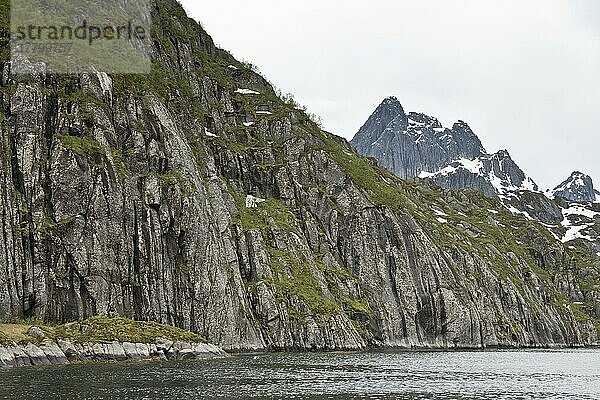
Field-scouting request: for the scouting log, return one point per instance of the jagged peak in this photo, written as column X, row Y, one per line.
column 387, row 111
column 502, row 155
column 391, row 100
column 576, row 178
column 390, row 104
column 577, row 187
column 424, row 119
column 462, row 125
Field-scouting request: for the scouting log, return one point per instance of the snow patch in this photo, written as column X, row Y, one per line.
column 253, row 202
column 580, row 210
column 209, row 133
column 439, row 212
column 574, row 232
column 246, row 91
column 475, row 166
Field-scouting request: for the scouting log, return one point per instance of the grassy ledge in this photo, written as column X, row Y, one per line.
column 99, row 330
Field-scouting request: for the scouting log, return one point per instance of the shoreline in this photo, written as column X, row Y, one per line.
column 62, row 352
column 99, row 339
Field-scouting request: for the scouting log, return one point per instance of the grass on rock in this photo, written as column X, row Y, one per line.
column 100, row 330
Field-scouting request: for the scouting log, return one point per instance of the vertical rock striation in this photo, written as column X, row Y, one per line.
column 143, row 197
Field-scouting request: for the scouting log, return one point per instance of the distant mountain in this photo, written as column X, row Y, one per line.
column 579, row 187
column 417, row 145
column 492, row 174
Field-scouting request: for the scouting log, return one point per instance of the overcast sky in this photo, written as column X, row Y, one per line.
column 524, row 74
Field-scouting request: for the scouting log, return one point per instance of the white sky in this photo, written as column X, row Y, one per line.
column 524, row 74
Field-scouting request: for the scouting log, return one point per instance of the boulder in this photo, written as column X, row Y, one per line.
column 131, row 351
column 36, row 355
column 20, row 358
column 36, row 333
column 69, row 350
column 7, row 358
column 54, row 353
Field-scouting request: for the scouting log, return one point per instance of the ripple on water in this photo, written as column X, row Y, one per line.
column 503, row 375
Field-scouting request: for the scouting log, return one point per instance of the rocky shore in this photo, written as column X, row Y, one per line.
column 64, row 352
column 99, row 339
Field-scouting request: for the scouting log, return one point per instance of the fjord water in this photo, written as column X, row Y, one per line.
column 559, row 374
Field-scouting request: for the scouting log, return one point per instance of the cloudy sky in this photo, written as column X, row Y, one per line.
column 524, row 74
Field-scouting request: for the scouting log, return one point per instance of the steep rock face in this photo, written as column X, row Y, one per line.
column 417, row 145
column 578, row 187
column 408, row 144
column 196, row 197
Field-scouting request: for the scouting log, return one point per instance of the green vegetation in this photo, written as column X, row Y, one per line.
column 259, row 218
column 50, row 225
column 293, row 277
column 175, row 179
column 4, row 31
column 99, row 330
column 364, row 174
column 83, row 146
column 4, row 338
column 103, row 329
column 120, row 164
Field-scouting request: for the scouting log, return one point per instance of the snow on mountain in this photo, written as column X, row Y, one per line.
column 493, row 174
column 578, row 187
column 417, row 145
column 407, row 144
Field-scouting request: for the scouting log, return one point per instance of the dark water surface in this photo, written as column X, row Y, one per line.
column 564, row 374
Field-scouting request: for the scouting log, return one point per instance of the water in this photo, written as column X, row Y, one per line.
column 561, row 374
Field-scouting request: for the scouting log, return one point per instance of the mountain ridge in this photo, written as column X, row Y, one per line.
column 417, row 145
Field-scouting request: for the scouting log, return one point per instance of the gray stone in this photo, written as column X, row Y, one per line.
column 131, row 350
column 416, row 145
column 116, row 351
column 186, row 354
column 7, row 358
column 36, row 333
column 36, row 355
column 579, row 187
column 54, row 353
column 20, row 358
column 143, row 350
column 69, row 350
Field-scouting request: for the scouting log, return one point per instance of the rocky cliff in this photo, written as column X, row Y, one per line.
column 196, row 197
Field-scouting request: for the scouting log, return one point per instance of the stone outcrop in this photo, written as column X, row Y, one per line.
column 63, row 352
column 407, row 144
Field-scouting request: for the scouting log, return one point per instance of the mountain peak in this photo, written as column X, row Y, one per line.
column 390, row 105
column 503, row 154
column 578, row 187
column 387, row 111
column 390, row 100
